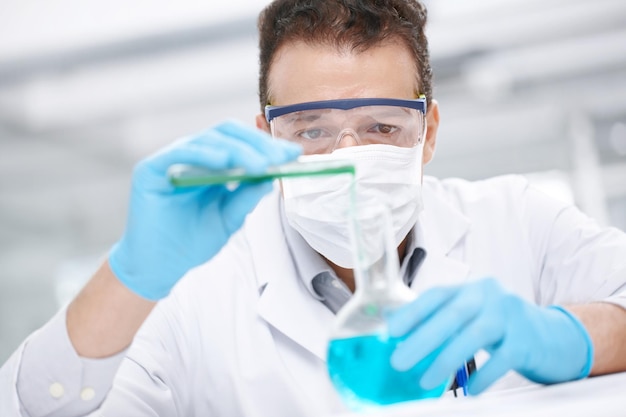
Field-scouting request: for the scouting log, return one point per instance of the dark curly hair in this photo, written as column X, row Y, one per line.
column 356, row 24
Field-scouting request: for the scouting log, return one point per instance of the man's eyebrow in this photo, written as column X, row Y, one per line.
column 382, row 111
column 305, row 115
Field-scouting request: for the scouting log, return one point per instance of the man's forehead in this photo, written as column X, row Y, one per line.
column 303, row 71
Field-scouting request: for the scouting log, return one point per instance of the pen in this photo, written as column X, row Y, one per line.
column 461, row 379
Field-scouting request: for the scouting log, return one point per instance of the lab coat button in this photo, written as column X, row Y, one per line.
column 57, row 390
column 87, row 394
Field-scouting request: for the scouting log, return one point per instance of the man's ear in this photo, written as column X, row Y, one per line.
column 261, row 123
column 432, row 125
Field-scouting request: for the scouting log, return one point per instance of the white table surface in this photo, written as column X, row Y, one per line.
column 598, row 397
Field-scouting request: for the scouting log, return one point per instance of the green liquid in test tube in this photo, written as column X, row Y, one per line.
column 182, row 175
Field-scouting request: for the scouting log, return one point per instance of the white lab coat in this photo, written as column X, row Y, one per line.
column 242, row 336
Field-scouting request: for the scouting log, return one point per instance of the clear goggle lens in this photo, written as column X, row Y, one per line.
column 322, row 130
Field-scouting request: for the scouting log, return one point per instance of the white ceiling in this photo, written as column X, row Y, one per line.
column 33, row 28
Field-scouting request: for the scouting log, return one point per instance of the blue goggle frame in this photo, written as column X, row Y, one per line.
column 272, row 112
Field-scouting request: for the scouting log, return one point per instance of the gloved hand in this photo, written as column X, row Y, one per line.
column 170, row 230
column 544, row 344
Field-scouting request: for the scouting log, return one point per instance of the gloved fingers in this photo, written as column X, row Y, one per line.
column 443, row 324
column 495, row 368
column 221, row 152
column 277, row 151
column 405, row 318
column 486, row 330
column 238, row 203
column 427, row 338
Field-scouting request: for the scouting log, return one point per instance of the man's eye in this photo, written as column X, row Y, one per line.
column 383, row 129
column 311, row 134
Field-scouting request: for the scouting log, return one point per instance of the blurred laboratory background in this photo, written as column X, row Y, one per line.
column 533, row 87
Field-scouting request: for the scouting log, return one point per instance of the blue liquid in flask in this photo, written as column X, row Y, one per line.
column 361, row 371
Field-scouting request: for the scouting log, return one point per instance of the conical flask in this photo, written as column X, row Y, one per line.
column 360, row 348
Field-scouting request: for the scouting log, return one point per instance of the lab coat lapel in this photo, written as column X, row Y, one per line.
column 441, row 231
column 284, row 301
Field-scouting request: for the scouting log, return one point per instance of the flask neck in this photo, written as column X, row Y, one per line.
column 376, row 278
column 381, row 277
column 377, row 265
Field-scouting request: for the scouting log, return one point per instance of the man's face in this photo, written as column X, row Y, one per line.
column 303, row 73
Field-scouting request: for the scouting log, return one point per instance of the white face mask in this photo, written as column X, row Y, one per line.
column 318, row 207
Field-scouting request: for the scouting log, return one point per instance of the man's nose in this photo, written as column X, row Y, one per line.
column 347, row 138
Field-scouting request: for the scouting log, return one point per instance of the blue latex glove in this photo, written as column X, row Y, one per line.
column 170, row 230
column 544, row 344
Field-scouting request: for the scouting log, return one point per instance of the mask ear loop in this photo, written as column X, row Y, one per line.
column 345, row 132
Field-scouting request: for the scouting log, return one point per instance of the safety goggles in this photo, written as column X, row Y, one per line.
column 321, row 126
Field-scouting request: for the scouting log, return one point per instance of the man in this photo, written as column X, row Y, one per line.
column 245, row 332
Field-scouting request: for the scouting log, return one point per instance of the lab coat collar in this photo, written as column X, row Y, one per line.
column 440, row 230
column 442, row 224
column 284, row 302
